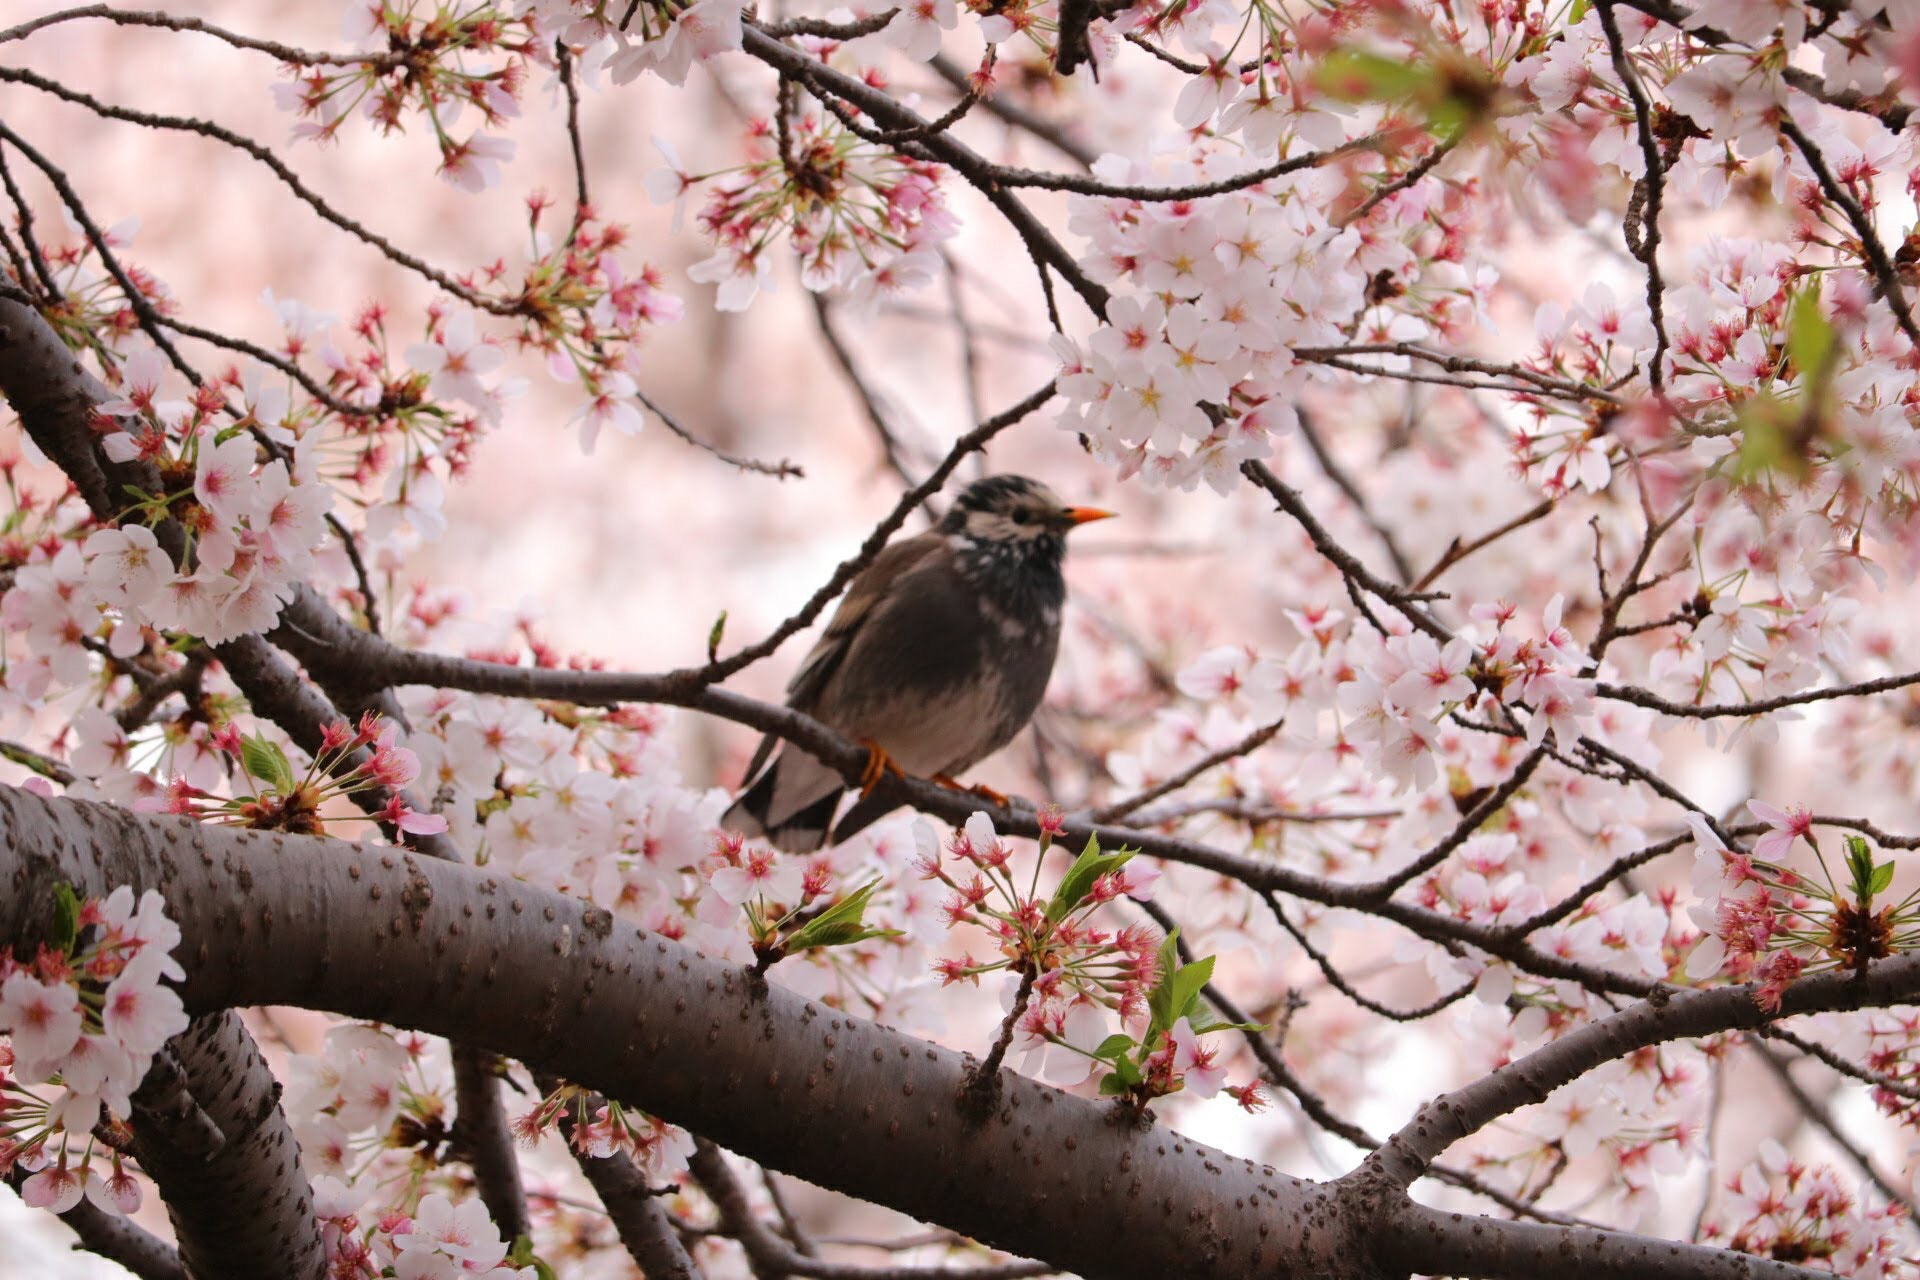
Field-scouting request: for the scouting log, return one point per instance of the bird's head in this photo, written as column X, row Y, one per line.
column 1016, row 513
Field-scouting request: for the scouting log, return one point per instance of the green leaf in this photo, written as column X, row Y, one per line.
column 1774, row 438
column 1124, row 1076
column 1078, row 882
column 66, row 918
column 713, row 636
column 1580, row 8
column 840, row 924
column 1355, row 75
column 1882, row 877
column 1860, row 867
column 522, row 1255
column 1186, row 987
column 1114, row 1046
column 1202, row 1021
column 1160, row 999
column 266, row 762
column 1810, row 338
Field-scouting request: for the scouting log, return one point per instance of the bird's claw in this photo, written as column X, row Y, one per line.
column 980, row 789
column 879, row 764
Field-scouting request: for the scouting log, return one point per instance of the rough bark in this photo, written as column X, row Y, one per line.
column 645, row 1226
column 378, row 933
column 117, row 1239
column 480, row 1121
column 208, row 1129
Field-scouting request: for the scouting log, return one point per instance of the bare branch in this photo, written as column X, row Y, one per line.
column 1875, row 253
column 1642, row 227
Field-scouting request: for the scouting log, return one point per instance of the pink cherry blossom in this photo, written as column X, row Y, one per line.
column 43, row 1019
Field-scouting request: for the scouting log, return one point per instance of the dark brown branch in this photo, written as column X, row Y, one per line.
column 134, row 18
column 781, row 470
column 117, row 1238
column 1642, row 227
column 33, row 761
column 1884, row 273
column 1331, row 468
column 215, row 1142
column 773, row 1258
column 1834, row 1062
column 306, row 195
column 1470, row 821
column 451, row 950
column 582, row 200
column 1676, row 1015
column 865, row 394
column 821, row 29
column 1409, row 603
column 1821, row 1117
column 1339, row 983
column 1760, row 706
column 1016, row 115
column 1457, row 551
column 645, row 1226
column 1232, row 751
column 1542, row 384
column 1573, row 901
column 486, row 1141
column 991, row 180
column 1387, row 190
column 23, row 213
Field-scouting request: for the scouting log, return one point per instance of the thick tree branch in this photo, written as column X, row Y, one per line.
column 645, row 1226
column 382, row 934
column 208, row 1129
column 774, row 1258
column 117, row 1239
column 1677, row 1015
column 480, row 1120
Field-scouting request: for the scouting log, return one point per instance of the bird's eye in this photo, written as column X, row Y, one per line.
column 1023, row 517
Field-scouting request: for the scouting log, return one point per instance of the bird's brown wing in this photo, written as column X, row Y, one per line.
column 865, row 594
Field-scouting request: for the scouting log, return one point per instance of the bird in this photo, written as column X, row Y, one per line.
column 935, row 658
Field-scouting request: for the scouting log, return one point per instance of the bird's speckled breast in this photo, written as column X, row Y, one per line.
column 954, row 663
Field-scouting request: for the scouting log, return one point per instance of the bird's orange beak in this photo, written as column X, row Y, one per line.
column 1083, row 515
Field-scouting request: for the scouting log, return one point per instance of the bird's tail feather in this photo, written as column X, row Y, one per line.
column 802, row 831
column 865, row 812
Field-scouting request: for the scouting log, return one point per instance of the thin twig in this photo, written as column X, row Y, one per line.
column 1121, row 808
column 781, row 470
column 1457, row 551
column 1642, row 225
column 868, row 397
column 1870, row 247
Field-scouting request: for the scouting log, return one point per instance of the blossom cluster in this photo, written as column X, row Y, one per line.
column 87, row 1015
column 602, row 1128
column 862, row 219
column 1075, row 971
column 351, row 759
column 438, row 1240
column 1765, row 921
column 435, row 65
column 1387, row 699
column 250, row 523
column 367, row 1104
column 1642, row 1120
column 1053, row 938
column 1779, row 1207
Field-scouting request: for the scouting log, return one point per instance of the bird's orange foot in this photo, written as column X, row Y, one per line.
column 879, row 764
column 978, row 789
